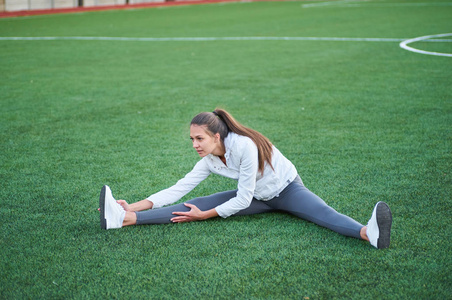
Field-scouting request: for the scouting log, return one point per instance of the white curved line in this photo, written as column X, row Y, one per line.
column 405, row 46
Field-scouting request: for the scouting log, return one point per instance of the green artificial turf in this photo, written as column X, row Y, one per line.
column 362, row 122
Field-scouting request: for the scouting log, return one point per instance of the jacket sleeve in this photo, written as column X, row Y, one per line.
column 248, row 168
column 170, row 195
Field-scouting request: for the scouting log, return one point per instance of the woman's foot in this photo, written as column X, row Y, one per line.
column 379, row 226
column 111, row 213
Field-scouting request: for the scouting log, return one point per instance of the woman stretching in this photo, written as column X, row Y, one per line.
column 267, row 181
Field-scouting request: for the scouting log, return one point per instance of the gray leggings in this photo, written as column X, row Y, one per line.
column 295, row 199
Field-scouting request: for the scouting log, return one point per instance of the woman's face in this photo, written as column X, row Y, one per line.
column 204, row 143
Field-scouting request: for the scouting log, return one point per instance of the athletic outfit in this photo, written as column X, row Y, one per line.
column 277, row 189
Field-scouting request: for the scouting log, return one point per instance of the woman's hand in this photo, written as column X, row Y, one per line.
column 195, row 214
column 124, row 204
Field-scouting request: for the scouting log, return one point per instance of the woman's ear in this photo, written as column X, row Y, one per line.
column 217, row 137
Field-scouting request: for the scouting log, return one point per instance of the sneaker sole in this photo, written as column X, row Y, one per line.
column 384, row 222
column 103, row 222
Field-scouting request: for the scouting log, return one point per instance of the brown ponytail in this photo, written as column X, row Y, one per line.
column 220, row 121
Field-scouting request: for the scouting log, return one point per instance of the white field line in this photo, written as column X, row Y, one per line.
column 327, row 3
column 199, row 39
column 403, row 43
column 208, row 39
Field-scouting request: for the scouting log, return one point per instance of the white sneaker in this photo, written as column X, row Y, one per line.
column 111, row 213
column 379, row 226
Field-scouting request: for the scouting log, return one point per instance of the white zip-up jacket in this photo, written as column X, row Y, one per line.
column 241, row 164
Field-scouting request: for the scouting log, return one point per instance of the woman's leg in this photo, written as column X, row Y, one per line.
column 163, row 215
column 301, row 202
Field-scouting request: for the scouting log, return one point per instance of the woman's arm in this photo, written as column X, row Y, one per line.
column 247, row 161
column 170, row 195
column 137, row 206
